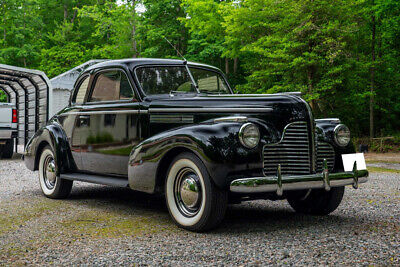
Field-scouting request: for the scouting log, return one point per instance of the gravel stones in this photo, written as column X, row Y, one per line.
column 101, row 225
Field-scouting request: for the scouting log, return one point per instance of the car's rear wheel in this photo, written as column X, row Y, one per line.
column 7, row 150
column 193, row 201
column 316, row 201
column 52, row 185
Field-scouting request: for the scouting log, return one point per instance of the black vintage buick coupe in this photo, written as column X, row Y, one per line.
column 175, row 128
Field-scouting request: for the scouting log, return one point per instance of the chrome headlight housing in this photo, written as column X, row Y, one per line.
column 342, row 135
column 249, row 135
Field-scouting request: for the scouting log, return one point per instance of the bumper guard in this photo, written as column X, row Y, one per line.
column 281, row 183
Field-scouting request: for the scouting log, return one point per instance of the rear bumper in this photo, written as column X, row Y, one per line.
column 280, row 183
column 7, row 133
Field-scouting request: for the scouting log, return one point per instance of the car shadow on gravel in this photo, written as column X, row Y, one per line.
column 269, row 218
column 117, row 198
column 263, row 217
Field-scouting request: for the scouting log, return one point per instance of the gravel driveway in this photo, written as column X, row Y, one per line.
column 101, row 225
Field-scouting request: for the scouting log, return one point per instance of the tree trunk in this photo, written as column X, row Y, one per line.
column 134, row 42
column 235, row 65
column 371, row 99
column 65, row 12
column 310, row 86
column 74, row 16
column 227, row 65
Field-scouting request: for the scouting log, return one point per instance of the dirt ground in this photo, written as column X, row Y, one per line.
column 382, row 157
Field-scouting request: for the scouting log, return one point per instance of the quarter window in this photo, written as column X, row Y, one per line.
column 111, row 86
column 80, row 95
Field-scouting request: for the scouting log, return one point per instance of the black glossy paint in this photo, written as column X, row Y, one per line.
column 137, row 139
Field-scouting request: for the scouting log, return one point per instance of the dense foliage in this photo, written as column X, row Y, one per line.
column 343, row 55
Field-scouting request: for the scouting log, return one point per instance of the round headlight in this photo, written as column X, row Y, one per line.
column 249, row 135
column 342, row 135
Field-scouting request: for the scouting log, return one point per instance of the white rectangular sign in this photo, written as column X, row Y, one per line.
column 349, row 159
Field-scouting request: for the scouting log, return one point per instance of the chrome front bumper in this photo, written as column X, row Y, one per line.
column 281, row 183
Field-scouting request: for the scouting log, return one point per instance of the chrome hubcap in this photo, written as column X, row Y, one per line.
column 49, row 172
column 188, row 192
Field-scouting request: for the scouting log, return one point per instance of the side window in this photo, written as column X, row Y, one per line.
column 111, row 86
column 80, row 95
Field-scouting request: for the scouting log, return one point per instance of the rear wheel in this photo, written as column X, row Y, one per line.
column 7, row 150
column 52, row 185
column 193, row 201
column 316, row 201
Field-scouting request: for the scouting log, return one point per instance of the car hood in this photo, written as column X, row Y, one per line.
column 275, row 111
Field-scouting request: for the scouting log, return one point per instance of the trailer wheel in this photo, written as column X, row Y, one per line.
column 7, row 150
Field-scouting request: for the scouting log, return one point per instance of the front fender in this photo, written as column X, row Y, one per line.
column 325, row 133
column 216, row 144
column 52, row 134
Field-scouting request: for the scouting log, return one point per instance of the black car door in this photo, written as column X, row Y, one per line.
column 70, row 122
column 111, row 118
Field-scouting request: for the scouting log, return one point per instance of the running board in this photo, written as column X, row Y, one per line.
column 95, row 179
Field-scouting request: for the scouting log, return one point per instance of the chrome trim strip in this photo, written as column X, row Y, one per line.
column 239, row 95
column 281, row 183
column 232, row 119
column 209, row 110
column 312, row 131
column 329, row 119
column 101, row 112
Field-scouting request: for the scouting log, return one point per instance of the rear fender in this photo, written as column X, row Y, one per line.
column 53, row 135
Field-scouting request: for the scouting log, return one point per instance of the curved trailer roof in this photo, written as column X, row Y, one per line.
column 30, row 90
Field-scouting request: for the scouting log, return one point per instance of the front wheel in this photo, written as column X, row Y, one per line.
column 316, row 201
column 193, row 201
column 52, row 185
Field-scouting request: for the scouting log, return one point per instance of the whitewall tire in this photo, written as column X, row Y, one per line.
column 51, row 184
column 193, row 201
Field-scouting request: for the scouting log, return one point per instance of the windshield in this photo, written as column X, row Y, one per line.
column 173, row 79
column 209, row 82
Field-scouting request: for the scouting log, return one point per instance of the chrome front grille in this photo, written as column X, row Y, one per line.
column 325, row 151
column 292, row 152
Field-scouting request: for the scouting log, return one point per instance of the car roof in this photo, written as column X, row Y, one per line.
column 131, row 63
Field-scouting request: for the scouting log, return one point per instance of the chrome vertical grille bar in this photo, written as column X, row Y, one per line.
column 325, row 151
column 292, row 153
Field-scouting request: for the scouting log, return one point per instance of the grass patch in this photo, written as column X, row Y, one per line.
column 379, row 169
column 12, row 215
column 114, row 224
column 381, row 161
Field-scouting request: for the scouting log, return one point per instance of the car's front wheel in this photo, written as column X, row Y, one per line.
column 316, row 201
column 193, row 201
column 52, row 185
